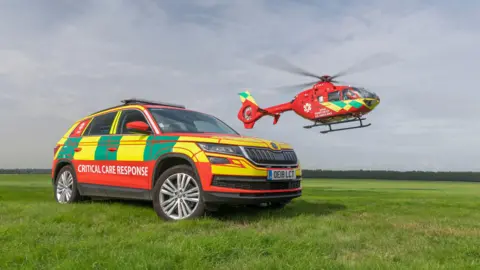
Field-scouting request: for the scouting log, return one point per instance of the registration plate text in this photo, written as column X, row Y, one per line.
column 281, row 175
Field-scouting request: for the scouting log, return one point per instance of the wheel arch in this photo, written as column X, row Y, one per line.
column 60, row 164
column 169, row 160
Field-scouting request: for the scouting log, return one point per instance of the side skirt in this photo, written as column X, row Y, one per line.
column 114, row 192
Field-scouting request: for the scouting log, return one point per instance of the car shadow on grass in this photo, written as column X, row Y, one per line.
column 231, row 213
column 129, row 202
column 294, row 209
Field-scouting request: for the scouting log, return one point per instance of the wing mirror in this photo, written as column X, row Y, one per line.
column 138, row 126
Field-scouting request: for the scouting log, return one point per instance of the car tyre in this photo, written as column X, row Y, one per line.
column 65, row 187
column 178, row 194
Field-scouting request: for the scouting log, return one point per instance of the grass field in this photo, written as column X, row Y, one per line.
column 336, row 224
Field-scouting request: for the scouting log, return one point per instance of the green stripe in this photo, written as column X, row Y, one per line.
column 340, row 104
column 68, row 149
column 158, row 145
column 356, row 104
column 105, row 142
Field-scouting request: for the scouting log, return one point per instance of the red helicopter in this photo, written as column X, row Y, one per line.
column 325, row 104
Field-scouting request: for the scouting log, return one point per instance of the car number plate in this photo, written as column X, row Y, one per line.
column 281, row 175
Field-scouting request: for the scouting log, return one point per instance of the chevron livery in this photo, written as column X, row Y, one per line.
column 325, row 103
column 110, row 156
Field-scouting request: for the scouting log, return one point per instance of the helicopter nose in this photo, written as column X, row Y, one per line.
column 372, row 102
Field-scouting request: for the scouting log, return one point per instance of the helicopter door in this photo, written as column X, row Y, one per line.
column 320, row 99
column 321, row 110
column 320, row 96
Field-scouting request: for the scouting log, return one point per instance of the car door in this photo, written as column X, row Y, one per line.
column 93, row 159
column 132, row 171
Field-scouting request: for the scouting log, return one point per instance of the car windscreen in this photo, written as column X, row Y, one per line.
column 186, row 121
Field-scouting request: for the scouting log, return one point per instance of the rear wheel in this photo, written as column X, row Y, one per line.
column 177, row 194
column 66, row 186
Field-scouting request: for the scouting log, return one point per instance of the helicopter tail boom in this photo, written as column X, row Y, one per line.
column 250, row 112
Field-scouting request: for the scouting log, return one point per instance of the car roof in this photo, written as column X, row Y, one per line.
column 143, row 104
column 134, row 102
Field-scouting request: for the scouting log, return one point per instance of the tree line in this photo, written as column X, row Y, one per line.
column 393, row 175
column 25, row 171
column 342, row 174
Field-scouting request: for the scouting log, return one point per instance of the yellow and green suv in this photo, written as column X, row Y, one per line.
column 185, row 161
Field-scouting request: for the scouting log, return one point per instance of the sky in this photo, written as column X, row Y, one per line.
column 62, row 60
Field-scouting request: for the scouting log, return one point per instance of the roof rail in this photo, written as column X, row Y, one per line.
column 150, row 102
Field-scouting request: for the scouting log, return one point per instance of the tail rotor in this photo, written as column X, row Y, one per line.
column 249, row 113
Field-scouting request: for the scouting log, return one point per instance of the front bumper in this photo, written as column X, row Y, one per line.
column 251, row 190
column 250, row 183
column 249, row 198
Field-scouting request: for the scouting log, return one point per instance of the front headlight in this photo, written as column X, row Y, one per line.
column 221, row 148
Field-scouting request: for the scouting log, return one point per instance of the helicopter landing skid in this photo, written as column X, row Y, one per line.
column 339, row 122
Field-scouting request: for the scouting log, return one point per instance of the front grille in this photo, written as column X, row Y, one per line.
column 256, row 185
column 270, row 157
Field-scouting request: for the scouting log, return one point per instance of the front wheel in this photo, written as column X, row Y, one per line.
column 177, row 194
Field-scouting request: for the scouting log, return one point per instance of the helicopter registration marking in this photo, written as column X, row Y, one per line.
column 323, row 112
column 281, row 175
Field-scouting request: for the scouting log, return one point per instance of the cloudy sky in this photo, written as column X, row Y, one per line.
column 61, row 60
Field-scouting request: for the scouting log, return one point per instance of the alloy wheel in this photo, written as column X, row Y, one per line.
column 65, row 187
column 179, row 196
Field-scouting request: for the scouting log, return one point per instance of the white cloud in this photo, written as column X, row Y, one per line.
column 61, row 62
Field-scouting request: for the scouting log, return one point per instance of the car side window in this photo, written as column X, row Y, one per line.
column 128, row 116
column 101, row 124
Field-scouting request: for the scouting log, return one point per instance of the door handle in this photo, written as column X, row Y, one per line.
column 78, row 149
column 112, row 149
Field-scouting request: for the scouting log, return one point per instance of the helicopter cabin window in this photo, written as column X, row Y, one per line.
column 353, row 93
column 334, row 96
column 350, row 94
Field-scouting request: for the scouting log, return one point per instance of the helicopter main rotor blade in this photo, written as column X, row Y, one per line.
column 277, row 62
column 295, row 87
column 373, row 61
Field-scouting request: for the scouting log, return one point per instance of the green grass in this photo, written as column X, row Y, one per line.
column 336, row 224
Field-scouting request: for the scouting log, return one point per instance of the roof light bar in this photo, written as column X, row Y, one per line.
column 150, row 102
